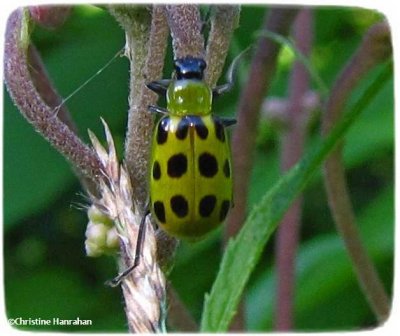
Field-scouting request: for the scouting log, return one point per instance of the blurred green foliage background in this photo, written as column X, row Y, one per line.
column 47, row 274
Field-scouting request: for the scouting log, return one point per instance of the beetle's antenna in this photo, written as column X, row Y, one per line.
column 105, row 66
column 231, row 74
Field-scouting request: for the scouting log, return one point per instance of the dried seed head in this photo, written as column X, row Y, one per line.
column 144, row 287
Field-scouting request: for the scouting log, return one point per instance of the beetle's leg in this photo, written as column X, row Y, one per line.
column 226, row 121
column 157, row 109
column 231, row 75
column 138, row 251
column 159, row 86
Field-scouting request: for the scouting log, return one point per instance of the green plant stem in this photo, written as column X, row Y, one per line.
column 244, row 251
column 292, row 146
column 375, row 49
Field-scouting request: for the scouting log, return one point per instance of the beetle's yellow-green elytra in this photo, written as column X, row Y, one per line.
column 191, row 178
column 190, row 166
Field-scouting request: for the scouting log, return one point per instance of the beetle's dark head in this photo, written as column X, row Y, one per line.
column 189, row 68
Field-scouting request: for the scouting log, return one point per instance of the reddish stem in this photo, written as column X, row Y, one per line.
column 185, row 24
column 292, row 149
column 50, row 17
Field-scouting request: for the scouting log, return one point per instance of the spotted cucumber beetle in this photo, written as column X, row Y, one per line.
column 190, row 168
column 190, row 175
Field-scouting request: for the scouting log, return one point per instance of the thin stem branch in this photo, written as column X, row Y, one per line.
column 33, row 106
column 292, row 149
column 185, row 24
column 375, row 48
column 45, row 88
column 224, row 20
column 136, row 21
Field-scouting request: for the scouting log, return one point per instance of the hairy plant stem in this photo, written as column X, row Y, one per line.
column 292, row 148
column 375, row 49
column 35, row 103
column 224, row 20
column 51, row 97
column 46, row 89
column 136, row 22
column 185, row 24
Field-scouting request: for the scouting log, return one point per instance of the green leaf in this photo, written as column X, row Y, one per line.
column 34, row 173
column 243, row 252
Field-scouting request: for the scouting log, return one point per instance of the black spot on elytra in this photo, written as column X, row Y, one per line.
column 207, row 205
column 162, row 130
column 219, row 130
column 208, row 165
column 159, row 211
column 177, row 165
column 182, row 129
column 201, row 128
column 179, row 206
column 191, row 121
column 227, row 169
column 224, row 209
column 156, row 170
